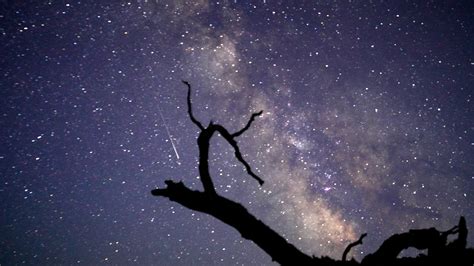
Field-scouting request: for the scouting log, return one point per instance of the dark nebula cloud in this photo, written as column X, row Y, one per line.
column 367, row 125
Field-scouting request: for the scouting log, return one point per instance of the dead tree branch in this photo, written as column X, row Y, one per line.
column 252, row 118
column 237, row 216
column 190, row 110
column 351, row 245
column 230, row 139
column 204, row 140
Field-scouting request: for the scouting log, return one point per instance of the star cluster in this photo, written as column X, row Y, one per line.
column 367, row 125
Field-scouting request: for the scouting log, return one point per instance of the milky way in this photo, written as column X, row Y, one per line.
column 367, row 125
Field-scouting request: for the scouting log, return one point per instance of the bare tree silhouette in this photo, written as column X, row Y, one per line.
column 284, row 253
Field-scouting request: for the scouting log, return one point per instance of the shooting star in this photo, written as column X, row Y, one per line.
column 169, row 136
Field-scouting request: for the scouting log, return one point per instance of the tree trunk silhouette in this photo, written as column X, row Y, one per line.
column 234, row 214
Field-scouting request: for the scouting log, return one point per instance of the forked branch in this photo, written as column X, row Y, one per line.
column 204, row 141
column 230, row 139
column 277, row 247
column 351, row 245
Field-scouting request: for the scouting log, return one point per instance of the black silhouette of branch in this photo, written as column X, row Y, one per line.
column 204, row 140
column 230, row 139
column 190, row 110
column 461, row 230
column 235, row 215
column 252, row 118
column 431, row 239
column 351, row 245
column 203, row 143
column 452, row 231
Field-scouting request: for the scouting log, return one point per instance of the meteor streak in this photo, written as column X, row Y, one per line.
column 169, row 136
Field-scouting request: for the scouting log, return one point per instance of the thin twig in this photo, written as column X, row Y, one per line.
column 190, row 110
column 252, row 118
column 230, row 139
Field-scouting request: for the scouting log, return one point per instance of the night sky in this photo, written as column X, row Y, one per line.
column 367, row 125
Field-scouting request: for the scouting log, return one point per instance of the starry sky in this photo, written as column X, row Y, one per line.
column 367, row 125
